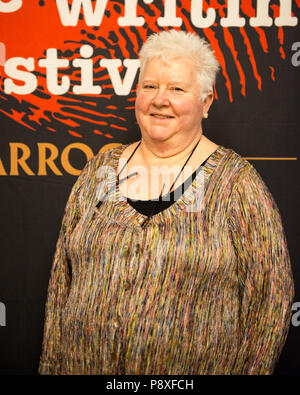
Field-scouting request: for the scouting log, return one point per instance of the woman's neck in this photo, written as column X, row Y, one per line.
column 166, row 153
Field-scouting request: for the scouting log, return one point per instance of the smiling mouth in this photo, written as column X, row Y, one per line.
column 161, row 116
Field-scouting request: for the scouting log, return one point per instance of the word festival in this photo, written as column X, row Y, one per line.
column 21, row 69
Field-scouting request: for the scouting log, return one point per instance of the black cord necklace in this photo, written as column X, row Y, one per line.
column 125, row 164
column 119, row 181
column 160, row 196
column 155, row 207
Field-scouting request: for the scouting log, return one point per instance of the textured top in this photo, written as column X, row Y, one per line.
column 194, row 291
column 150, row 207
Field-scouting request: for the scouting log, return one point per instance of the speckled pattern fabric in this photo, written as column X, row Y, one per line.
column 204, row 291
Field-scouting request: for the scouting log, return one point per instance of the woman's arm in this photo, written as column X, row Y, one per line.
column 265, row 276
column 59, row 283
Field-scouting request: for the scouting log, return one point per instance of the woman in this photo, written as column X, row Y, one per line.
column 176, row 262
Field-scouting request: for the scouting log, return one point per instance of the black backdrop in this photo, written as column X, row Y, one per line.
column 265, row 123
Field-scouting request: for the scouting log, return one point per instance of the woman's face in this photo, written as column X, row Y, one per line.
column 168, row 104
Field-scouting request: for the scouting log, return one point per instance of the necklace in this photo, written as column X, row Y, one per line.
column 131, row 175
column 119, row 181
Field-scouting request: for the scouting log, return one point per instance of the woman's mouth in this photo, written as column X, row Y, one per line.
column 161, row 116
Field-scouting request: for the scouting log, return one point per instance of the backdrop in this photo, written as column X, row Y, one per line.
column 67, row 89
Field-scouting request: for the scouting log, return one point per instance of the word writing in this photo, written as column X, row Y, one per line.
column 94, row 16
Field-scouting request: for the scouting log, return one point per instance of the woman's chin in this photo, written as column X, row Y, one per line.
column 158, row 136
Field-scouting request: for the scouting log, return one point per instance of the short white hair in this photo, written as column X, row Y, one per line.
column 179, row 44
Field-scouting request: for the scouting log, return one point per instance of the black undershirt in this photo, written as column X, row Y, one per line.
column 152, row 207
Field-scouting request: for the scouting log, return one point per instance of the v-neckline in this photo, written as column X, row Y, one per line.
column 185, row 200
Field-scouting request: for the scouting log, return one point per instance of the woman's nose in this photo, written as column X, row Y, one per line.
column 161, row 98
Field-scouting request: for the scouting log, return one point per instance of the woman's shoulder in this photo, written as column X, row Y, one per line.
column 227, row 160
column 107, row 156
column 110, row 151
column 236, row 169
column 229, row 170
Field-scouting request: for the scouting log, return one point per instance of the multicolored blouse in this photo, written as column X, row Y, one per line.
column 204, row 287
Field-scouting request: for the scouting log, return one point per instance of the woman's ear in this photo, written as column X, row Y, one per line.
column 208, row 102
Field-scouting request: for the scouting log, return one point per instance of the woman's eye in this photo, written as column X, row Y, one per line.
column 177, row 89
column 149, row 86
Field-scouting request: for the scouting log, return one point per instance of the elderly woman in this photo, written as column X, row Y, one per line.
column 171, row 258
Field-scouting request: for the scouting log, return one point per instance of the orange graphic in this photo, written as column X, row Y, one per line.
column 37, row 26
